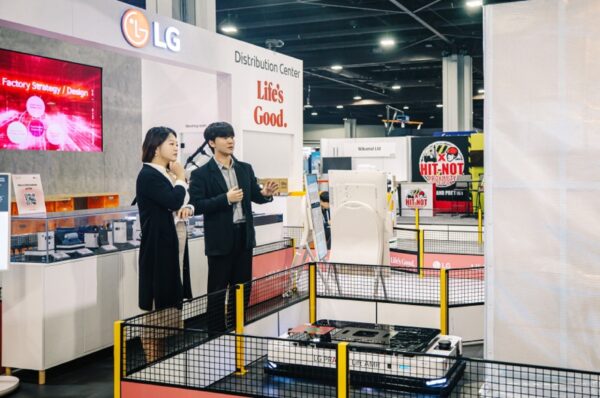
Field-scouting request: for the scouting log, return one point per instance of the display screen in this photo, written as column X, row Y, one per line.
column 342, row 163
column 48, row 104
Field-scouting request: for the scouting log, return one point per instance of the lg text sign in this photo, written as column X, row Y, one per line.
column 138, row 32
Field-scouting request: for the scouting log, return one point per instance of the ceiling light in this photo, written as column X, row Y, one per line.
column 387, row 42
column 474, row 3
column 396, row 87
column 432, row 117
column 405, row 107
column 337, row 67
column 481, row 91
column 229, row 28
column 340, row 106
column 439, row 106
column 307, row 106
column 380, row 115
column 314, row 113
column 357, row 98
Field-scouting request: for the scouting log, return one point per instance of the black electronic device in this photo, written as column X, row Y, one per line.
column 403, row 358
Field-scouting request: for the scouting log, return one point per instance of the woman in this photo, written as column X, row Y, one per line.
column 161, row 194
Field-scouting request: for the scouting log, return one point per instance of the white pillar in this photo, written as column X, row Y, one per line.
column 458, row 98
column 206, row 15
column 163, row 7
column 350, row 128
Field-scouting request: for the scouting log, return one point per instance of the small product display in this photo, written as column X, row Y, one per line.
column 67, row 240
column 402, row 358
column 47, row 238
column 61, row 236
column 120, row 231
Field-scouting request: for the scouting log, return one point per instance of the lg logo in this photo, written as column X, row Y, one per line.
column 136, row 30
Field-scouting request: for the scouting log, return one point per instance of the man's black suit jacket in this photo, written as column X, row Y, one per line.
column 208, row 194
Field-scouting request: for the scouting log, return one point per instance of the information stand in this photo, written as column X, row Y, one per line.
column 29, row 193
column 316, row 225
column 313, row 231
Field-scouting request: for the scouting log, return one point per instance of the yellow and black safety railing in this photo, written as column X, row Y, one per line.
column 444, row 300
column 119, row 357
column 417, row 218
column 239, row 330
column 479, row 226
column 328, row 369
column 421, row 253
column 343, row 370
column 312, row 292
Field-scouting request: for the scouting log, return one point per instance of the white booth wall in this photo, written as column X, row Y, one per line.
column 181, row 98
column 178, row 90
column 388, row 154
column 542, row 124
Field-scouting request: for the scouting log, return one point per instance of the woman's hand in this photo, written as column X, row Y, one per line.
column 184, row 213
column 177, row 169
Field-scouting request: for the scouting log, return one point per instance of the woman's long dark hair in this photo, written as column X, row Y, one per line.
column 154, row 138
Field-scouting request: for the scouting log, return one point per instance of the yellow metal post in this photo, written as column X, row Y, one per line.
column 417, row 218
column 312, row 293
column 479, row 226
column 342, row 370
column 421, row 253
column 444, row 301
column 239, row 330
column 118, row 361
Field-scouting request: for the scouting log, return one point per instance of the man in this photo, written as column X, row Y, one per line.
column 222, row 190
column 324, row 200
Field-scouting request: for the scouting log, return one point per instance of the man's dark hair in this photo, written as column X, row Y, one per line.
column 154, row 138
column 218, row 129
column 324, row 196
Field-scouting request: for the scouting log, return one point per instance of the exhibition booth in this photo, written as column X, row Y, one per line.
column 439, row 174
column 386, row 311
column 83, row 82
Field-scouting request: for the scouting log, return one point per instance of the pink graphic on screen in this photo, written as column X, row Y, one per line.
column 47, row 104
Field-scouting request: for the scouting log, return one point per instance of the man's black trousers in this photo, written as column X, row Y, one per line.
column 224, row 272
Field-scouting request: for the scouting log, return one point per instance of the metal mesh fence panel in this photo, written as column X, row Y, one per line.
column 197, row 313
column 496, row 379
column 275, row 292
column 216, row 311
column 466, row 286
column 405, row 239
column 453, row 242
column 422, row 375
column 234, row 364
column 293, row 233
column 271, row 247
column 275, row 367
column 378, row 283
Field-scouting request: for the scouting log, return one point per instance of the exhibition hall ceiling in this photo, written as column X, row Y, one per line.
column 379, row 45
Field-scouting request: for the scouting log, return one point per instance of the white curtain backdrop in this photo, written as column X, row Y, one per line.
column 542, row 177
